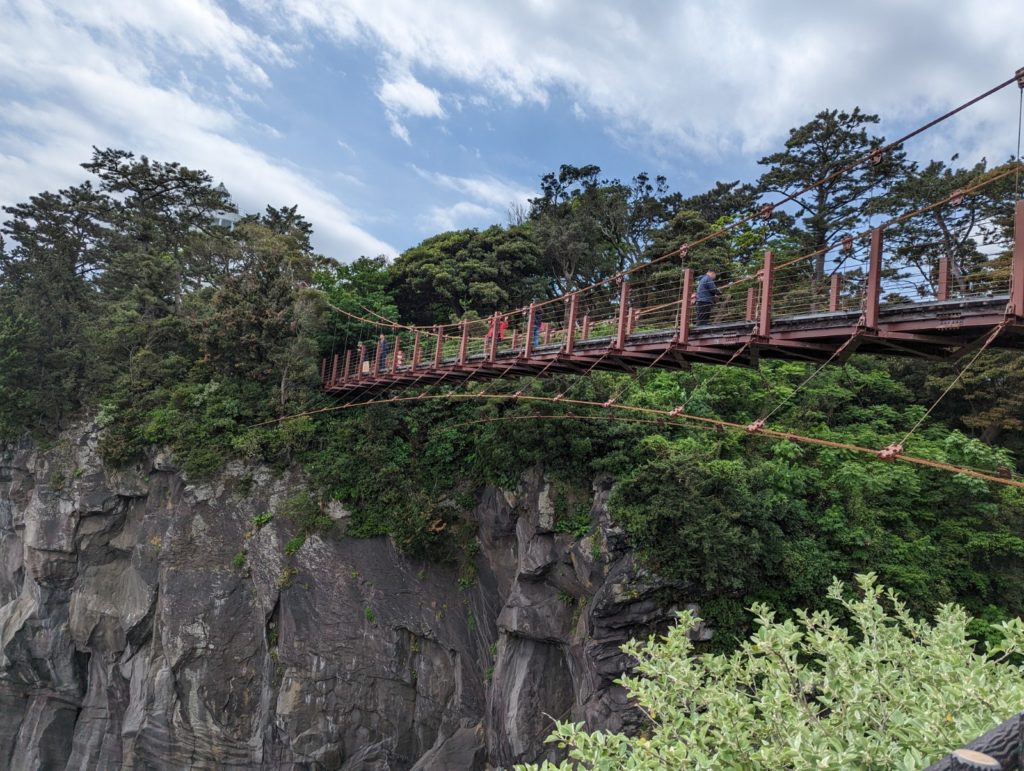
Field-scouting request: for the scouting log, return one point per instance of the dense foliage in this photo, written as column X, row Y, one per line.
column 121, row 298
column 882, row 690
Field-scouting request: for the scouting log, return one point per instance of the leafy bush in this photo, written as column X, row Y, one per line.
column 306, row 513
column 295, row 544
column 885, row 690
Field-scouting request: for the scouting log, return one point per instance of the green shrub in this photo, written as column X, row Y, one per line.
column 883, row 691
column 294, row 544
column 306, row 513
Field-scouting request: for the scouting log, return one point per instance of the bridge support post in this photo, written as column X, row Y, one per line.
column 362, row 358
column 620, row 332
column 874, row 287
column 323, row 371
column 751, row 303
column 464, row 342
column 764, row 324
column 439, row 350
column 585, row 327
column 942, row 293
column 683, row 330
column 531, row 319
column 1017, row 271
column 833, row 293
column 416, row 352
column 395, row 354
column 376, row 356
column 492, row 349
column 570, row 334
column 347, row 369
column 334, row 370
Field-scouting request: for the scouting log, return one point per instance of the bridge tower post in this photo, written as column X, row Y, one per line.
column 376, row 356
column 346, row 370
column 942, row 293
column 764, row 324
column 492, row 349
column 570, row 335
column 833, row 293
column 620, row 333
column 464, row 342
column 1017, row 271
column 439, row 350
column 683, row 330
column 874, row 287
column 531, row 318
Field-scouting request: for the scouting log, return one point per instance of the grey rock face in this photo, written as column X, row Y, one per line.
column 130, row 638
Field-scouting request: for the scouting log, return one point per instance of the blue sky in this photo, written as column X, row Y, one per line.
column 392, row 120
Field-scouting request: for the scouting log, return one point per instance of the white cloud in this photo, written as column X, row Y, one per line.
column 487, row 190
column 714, row 79
column 492, row 199
column 403, row 96
column 456, row 216
column 86, row 79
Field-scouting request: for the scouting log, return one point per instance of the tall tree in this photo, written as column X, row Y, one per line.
column 465, row 272
column 259, row 323
column 591, row 228
column 816, row 151
column 54, row 246
column 966, row 230
column 157, row 213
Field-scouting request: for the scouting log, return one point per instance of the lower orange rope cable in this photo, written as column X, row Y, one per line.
column 673, row 414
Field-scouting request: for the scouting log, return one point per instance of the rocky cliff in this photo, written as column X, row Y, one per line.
column 133, row 634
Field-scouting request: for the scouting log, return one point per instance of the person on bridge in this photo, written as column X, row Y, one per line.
column 707, row 295
column 538, row 322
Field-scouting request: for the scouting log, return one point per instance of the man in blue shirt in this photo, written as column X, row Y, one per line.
column 707, row 295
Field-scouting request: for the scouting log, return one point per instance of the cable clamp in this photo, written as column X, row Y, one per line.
column 675, row 412
column 558, row 398
column 756, row 426
column 1020, row 77
column 608, row 403
column 517, row 394
column 890, row 452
